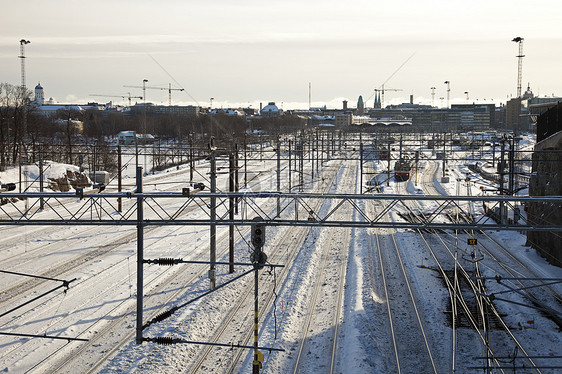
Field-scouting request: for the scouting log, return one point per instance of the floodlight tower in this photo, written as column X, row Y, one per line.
column 144, row 90
column 23, row 42
column 448, row 92
column 432, row 95
column 519, row 63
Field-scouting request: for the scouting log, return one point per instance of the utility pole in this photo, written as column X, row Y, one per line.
column 361, row 163
column 245, row 161
column 236, row 180
column 140, row 256
column 289, row 168
column 388, row 160
column 501, row 169
column 191, row 157
column 41, row 201
column 444, row 159
column 231, row 189
column 278, row 176
column 213, row 225
column 119, row 178
column 311, row 154
column 301, row 174
column 317, row 155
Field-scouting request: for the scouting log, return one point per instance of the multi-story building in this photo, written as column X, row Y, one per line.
column 165, row 109
column 462, row 117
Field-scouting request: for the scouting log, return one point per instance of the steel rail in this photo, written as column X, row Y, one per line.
column 477, row 290
column 267, row 302
column 313, row 303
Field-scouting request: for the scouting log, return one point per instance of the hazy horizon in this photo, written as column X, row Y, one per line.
column 246, row 52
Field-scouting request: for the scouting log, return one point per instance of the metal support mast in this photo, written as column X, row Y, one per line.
column 519, row 63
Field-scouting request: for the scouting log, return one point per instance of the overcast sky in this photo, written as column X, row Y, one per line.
column 242, row 52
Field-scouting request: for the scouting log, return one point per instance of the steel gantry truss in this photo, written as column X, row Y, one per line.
column 101, row 209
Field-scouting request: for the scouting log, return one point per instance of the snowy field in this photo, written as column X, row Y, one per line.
column 347, row 300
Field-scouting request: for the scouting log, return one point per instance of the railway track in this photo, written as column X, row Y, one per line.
column 324, row 311
column 481, row 315
column 409, row 336
column 285, row 252
column 67, row 268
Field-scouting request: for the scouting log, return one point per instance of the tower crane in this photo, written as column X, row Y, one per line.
column 382, row 90
column 170, row 89
column 121, row 96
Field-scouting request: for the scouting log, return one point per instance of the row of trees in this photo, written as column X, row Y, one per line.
column 23, row 130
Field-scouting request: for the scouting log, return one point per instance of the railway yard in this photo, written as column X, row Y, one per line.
column 379, row 298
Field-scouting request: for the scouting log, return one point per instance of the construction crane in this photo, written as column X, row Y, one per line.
column 170, row 89
column 23, row 42
column 121, row 96
column 519, row 63
column 382, row 90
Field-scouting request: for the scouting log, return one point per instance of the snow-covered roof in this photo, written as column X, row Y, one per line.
column 228, row 112
column 271, row 107
column 54, row 108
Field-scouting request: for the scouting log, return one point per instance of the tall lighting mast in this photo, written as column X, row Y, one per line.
column 448, row 92
column 519, row 63
column 23, row 42
column 432, row 95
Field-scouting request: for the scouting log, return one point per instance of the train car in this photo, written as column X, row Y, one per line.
column 383, row 154
column 402, row 169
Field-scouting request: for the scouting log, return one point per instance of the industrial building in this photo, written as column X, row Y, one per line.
column 546, row 180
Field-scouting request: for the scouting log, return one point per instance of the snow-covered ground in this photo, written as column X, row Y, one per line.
column 100, row 304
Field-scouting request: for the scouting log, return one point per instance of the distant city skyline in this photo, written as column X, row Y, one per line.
column 246, row 52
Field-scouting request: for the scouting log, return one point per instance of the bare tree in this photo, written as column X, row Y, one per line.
column 70, row 118
column 14, row 102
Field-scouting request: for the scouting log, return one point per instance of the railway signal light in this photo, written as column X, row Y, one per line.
column 258, row 240
column 258, row 234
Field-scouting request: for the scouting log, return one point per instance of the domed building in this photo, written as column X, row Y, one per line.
column 39, row 95
column 270, row 110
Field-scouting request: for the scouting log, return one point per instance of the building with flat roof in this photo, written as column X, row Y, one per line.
column 139, row 108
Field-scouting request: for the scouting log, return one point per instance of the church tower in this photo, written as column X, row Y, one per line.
column 360, row 106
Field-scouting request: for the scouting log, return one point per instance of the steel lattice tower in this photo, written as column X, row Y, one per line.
column 519, row 64
column 23, row 42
